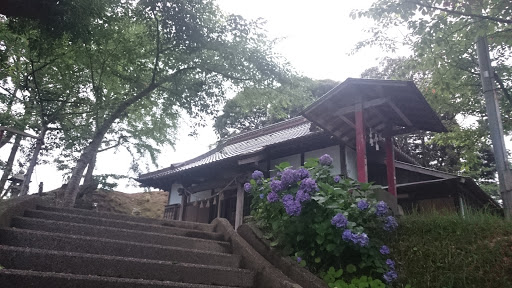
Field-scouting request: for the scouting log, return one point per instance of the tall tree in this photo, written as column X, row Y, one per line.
column 254, row 107
column 171, row 56
column 441, row 35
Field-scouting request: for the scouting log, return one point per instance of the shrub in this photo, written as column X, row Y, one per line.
column 331, row 225
column 445, row 250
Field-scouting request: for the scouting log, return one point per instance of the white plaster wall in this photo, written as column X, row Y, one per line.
column 175, row 197
column 294, row 161
column 351, row 162
column 333, row 151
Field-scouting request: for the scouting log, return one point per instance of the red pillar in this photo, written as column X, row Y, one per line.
column 390, row 165
column 362, row 170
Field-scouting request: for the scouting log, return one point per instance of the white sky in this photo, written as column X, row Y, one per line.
column 317, row 37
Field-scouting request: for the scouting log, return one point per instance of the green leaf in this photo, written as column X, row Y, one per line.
column 351, row 268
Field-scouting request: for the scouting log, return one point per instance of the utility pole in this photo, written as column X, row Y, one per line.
column 495, row 125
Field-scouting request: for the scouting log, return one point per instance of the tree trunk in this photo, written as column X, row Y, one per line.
column 90, row 151
column 33, row 161
column 88, row 179
column 8, row 168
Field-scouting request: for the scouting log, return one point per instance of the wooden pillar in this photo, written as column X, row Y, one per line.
column 183, row 203
column 390, row 165
column 239, row 214
column 362, row 170
column 219, row 204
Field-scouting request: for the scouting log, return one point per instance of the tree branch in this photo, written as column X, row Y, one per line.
column 502, row 87
column 157, row 56
column 226, row 75
column 119, row 143
column 455, row 12
column 38, row 93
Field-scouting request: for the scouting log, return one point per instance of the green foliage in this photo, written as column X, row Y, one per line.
column 104, row 183
column 310, row 236
column 141, row 66
column 445, row 250
column 361, row 282
column 255, row 107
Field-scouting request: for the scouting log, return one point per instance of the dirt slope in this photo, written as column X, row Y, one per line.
column 146, row 204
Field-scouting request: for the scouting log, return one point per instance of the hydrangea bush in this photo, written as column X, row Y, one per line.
column 331, row 225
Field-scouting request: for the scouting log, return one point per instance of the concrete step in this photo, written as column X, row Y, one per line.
column 64, row 217
column 10, row 278
column 20, row 258
column 128, row 218
column 121, row 234
column 99, row 246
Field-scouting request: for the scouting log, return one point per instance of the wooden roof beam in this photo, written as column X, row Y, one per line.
column 366, row 104
column 346, row 120
column 399, row 112
column 253, row 159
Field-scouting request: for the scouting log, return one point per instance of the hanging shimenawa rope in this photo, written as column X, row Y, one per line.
column 213, row 196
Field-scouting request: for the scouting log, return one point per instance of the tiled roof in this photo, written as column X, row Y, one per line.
column 243, row 144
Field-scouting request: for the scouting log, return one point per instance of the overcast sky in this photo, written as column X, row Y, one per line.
column 317, row 37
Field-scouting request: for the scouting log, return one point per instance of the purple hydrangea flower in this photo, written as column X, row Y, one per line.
column 308, row 185
column 384, row 250
column 382, row 208
column 362, row 205
column 276, row 186
column 325, row 160
column 347, row 235
column 390, row 276
column 292, row 207
column 272, row 197
column 302, row 173
column 262, row 196
column 339, row 220
column 390, row 263
column 361, row 239
column 390, row 223
column 337, row 178
column 299, row 259
column 247, row 187
column 302, row 196
column 257, row 174
column 288, row 178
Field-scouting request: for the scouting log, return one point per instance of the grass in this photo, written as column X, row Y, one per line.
column 444, row 250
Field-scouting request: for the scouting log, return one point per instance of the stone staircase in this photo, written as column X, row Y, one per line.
column 62, row 247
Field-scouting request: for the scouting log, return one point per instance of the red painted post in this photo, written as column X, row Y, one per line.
column 362, row 170
column 390, row 165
